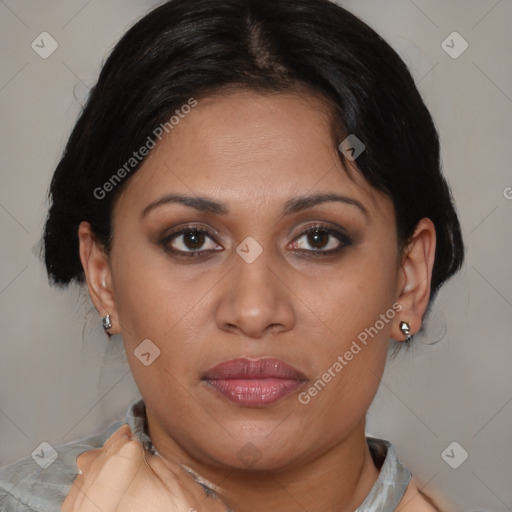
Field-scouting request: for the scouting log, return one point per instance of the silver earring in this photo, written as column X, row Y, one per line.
column 106, row 322
column 405, row 327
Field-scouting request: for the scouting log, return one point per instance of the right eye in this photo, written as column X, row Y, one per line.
column 190, row 241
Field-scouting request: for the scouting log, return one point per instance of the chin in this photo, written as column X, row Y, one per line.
column 259, row 454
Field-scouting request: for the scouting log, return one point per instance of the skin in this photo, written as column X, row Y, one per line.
column 119, row 477
column 253, row 153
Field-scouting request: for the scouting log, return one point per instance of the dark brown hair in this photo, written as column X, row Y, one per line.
column 189, row 48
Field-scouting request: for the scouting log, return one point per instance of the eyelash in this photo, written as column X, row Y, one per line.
column 340, row 235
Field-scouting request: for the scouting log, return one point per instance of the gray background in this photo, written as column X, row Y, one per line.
column 59, row 378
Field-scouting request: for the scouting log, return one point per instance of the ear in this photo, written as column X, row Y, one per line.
column 95, row 263
column 415, row 277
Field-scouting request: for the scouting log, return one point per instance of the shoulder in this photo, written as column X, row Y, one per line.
column 41, row 482
column 415, row 500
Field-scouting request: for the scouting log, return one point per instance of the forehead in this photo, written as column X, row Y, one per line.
column 250, row 148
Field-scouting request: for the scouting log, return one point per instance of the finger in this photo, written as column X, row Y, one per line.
column 163, row 464
column 168, row 473
column 181, row 483
column 121, row 436
column 120, row 465
column 85, row 459
column 108, row 478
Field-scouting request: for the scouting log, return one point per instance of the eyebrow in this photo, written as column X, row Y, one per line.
column 203, row 204
column 294, row 205
column 298, row 204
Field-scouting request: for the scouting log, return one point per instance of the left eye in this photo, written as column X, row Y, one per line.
column 321, row 240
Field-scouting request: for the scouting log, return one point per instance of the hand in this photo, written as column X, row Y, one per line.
column 122, row 477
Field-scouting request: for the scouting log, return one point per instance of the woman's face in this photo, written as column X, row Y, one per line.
column 231, row 275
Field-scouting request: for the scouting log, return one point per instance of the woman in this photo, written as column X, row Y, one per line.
column 253, row 198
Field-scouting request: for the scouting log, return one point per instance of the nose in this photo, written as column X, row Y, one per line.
column 255, row 300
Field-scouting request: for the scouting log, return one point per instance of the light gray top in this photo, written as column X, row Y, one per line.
column 42, row 482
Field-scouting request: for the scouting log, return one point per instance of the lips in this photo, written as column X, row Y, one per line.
column 254, row 383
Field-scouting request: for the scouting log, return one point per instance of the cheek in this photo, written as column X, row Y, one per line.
column 152, row 296
column 165, row 304
column 356, row 307
column 351, row 297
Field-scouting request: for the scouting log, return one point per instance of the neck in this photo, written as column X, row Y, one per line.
column 335, row 481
